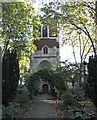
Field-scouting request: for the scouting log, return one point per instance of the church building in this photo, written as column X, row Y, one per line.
column 47, row 53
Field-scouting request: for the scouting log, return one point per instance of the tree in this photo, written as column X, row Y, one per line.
column 92, row 72
column 10, row 76
column 18, row 19
column 74, row 16
column 76, row 20
column 92, row 79
column 81, row 47
column 17, row 22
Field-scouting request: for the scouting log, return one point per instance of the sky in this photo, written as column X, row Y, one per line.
column 66, row 53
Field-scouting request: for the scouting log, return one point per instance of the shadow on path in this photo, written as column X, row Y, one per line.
column 43, row 107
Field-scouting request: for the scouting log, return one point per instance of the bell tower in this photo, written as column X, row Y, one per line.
column 47, row 53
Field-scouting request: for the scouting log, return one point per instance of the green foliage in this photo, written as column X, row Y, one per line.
column 17, row 21
column 77, row 93
column 58, row 82
column 12, row 111
column 22, row 95
column 92, row 78
column 44, row 74
column 55, row 79
column 84, row 115
column 10, row 76
column 67, row 98
column 70, row 72
column 32, row 84
column 58, row 78
column 73, row 16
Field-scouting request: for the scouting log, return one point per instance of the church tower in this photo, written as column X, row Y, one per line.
column 47, row 53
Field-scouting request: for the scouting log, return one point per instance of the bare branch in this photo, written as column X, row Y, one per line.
column 86, row 32
column 87, row 52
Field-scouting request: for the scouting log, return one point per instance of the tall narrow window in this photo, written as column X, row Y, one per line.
column 45, row 50
column 44, row 31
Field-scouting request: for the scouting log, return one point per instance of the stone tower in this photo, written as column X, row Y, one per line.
column 47, row 53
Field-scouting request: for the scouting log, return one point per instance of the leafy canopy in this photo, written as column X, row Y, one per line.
column 73, row 16
column 18, row 19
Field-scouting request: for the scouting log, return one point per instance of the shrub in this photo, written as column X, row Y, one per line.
column 78, row 93
column 22, row 95
column 67, row 98
column 11, row 111
column 32, row 84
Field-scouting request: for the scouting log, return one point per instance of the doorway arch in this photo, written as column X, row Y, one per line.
column 45, row 88
column 44, row 65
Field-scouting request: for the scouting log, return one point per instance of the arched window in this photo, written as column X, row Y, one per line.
column 44, row 31
column 45, row 50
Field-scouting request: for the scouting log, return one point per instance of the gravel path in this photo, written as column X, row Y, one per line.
column 42, row 107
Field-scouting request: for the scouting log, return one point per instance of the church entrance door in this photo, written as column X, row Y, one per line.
column 44, row 88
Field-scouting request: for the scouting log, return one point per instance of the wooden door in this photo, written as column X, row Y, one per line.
column 45, row 88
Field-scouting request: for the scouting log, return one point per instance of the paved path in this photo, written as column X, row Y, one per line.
column 43, row 107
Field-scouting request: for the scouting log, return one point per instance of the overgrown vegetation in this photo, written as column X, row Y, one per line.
column 17, row 37
column 58, row 78
column 92, row 79
column 11, row 112
column 32, row 85
column 18, row 18
column 78, row 22
column 10, row 76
